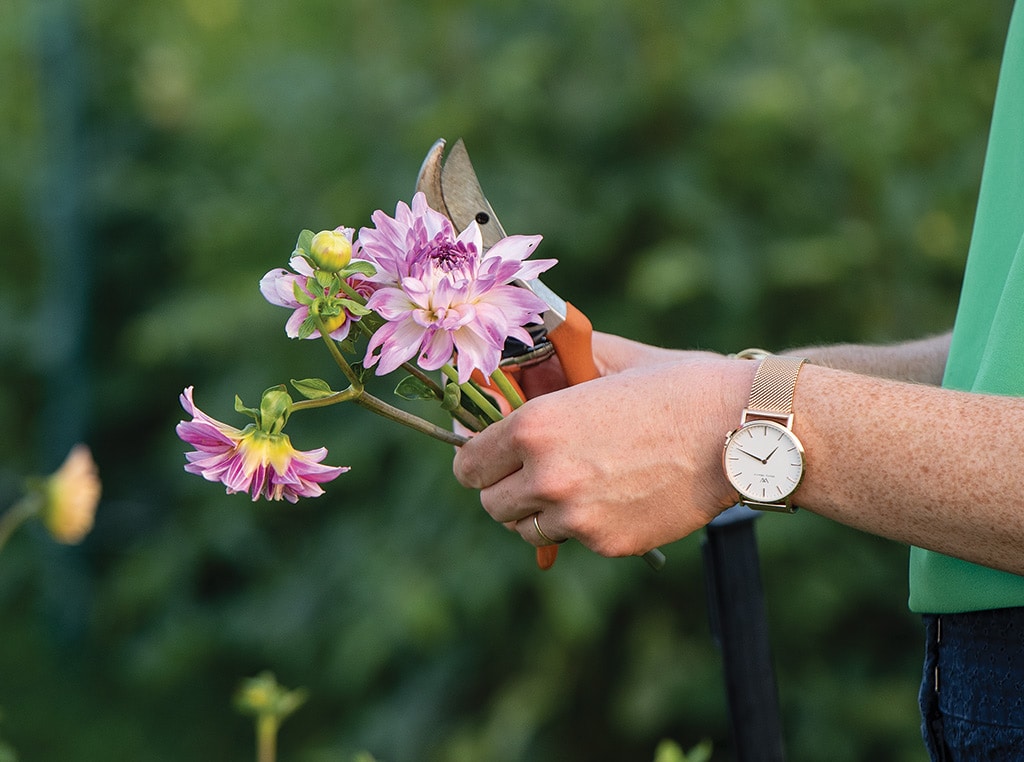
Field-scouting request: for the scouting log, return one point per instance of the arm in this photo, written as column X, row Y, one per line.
column 632, row 461
column 922, row 361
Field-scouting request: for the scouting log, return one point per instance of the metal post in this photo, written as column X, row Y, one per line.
column 740, row 625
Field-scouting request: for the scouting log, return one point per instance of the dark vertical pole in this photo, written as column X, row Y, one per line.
column 64, row 236
column 63, row 233
column 740, row 624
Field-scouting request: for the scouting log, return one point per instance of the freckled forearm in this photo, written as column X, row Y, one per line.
column 922, row 361
column 914, row 463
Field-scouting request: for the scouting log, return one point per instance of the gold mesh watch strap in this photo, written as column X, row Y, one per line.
column 774, row 384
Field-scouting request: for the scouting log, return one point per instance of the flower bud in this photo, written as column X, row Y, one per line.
column 72, row 494
column 331, row 250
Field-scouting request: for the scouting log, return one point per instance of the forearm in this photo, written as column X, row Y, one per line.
column 922, row 361
column 925, row 466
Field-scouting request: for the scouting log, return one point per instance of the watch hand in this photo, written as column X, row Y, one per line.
column 769, row 456
column 750, row 455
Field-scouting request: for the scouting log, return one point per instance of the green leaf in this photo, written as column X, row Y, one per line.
column 358, row 267
column 304, row 242
column 355, row 308
column 301, row 296
column 411, row 388
column 313, row 388
column 326, row 280
column 307, row 327
column 249, row 411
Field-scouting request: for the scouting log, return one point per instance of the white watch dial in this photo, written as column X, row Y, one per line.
column 764, row 461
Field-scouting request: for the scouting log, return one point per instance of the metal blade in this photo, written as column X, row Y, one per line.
column 463, row 197
column 429, row 179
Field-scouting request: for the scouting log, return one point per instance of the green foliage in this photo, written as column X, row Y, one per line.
column 670, row 751
column 712, row 174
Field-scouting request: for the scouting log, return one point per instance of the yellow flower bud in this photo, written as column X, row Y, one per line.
column 72, row 494
column 331, row 250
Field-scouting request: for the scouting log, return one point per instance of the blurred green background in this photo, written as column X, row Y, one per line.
column 710, row 173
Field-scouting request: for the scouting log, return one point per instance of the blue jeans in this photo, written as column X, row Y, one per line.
column 972, row 691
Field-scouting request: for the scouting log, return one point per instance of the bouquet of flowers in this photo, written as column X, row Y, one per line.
column 409, row 294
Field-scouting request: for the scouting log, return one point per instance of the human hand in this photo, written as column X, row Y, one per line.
column 624, row 463
column 612, row 354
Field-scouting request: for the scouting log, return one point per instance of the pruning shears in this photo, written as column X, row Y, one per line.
column 451, row 187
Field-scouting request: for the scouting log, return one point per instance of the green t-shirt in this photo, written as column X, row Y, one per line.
column 987, row 353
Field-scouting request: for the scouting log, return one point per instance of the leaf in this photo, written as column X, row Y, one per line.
column 358, row 267
column 249, row 411
column 412, row 388
column 354, row 308
column 304, row 242
column 313, row 388
column 326, row 280
column 301, row 296
column 307, row 327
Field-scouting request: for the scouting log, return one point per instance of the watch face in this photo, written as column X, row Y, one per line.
column 764, row 461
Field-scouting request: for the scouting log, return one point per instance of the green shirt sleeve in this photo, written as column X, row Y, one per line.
column 987, row 350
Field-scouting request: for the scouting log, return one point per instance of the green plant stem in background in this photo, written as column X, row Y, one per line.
column 17, row 515
column 266, row 738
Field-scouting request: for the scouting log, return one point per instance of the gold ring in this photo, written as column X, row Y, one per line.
column 548, row 540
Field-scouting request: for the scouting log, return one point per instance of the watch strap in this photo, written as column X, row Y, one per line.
column 774, row 385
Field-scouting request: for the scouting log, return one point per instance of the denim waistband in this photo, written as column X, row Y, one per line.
column 978, row 661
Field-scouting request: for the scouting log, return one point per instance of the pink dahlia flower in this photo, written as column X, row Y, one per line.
column 442, row 295
column 250, row 460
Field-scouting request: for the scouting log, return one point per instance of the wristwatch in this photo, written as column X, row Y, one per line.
column 763, row 459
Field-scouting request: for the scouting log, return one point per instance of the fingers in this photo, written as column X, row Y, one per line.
column 486, row 459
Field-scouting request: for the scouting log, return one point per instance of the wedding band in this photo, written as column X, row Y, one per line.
column 548, row 540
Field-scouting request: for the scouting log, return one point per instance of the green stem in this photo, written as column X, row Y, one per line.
column 351, row 293
column 407, row 419
column 460, row 413
column 266, row 738
column 332, row 399
column 508, row 391
column 339, row 358
column 17, row 515
column 470, row 390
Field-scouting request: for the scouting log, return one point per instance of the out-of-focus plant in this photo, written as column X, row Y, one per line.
column 670, row 751
column 6, row 750
column 270, row 703
column 65, row 501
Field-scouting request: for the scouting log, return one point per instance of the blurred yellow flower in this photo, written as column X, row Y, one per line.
column 72, row 493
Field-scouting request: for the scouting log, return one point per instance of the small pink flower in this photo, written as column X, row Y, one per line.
column 442, row 295
column 279, row 287
column 250, row 460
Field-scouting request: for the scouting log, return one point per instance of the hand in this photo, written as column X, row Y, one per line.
column 612, row 354
column 624, row 463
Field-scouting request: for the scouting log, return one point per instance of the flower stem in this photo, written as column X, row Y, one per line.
column 471, row 391
column 332, row 399
column 460, row 413
column 266, row 738
column 17, row 515
column 398, row 415
column 351, row 293
column 339, row 358
column 508, row 391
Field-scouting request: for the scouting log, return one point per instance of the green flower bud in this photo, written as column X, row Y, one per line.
column 330, row 250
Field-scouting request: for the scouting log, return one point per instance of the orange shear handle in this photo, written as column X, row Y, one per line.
column 573, row 341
